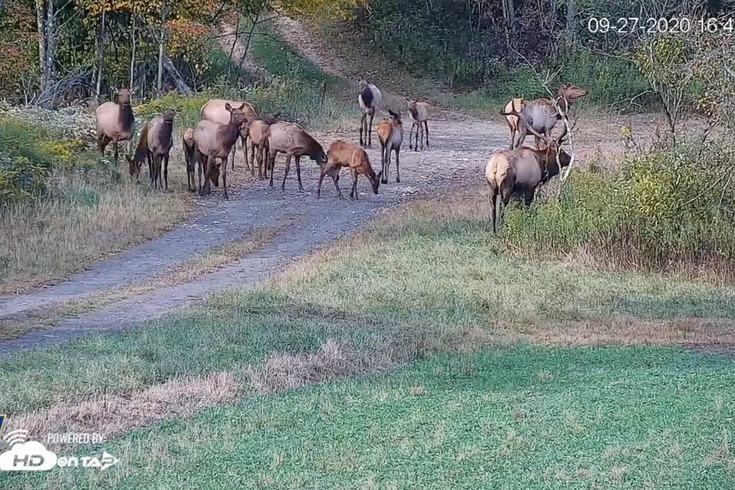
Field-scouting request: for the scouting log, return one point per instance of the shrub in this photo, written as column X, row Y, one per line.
column 664, row 210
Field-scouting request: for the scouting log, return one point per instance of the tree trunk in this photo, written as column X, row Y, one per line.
column 571, row 21
column 49, row 74
column 181, row 85
column 510, row 20
column 100, row 62
column 132, row 56
column 41, row 25
column 161, row 40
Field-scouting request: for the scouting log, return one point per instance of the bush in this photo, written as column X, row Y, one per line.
column 665, row 209
column 24, row 166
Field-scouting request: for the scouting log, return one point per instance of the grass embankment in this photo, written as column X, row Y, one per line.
column 63, row 207
column 425, row 281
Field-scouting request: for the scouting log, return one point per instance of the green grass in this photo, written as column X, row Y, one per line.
column 420, row 278
column 519, row 418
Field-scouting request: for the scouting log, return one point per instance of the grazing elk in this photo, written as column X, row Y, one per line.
column 212, row 141
column 115, row 122
column 516, row 104
column 390, row 134
column 291, row 139
column 187, row 141
column 257, row 131
column 215, row 111
column 419, row 112
column 156, row 140
column 539, row 115
column 343, row 153
column 370, row 100
column 521, row 171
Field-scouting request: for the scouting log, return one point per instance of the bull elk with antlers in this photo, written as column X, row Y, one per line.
column 521, row 171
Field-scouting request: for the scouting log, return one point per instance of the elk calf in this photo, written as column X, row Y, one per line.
column 343, row 153
column 258, row 132
column 419, row 113
column 215, row 111
column 291, row 139
column 370, row 100
column 539, row 115
column 521, row 171
column 187, row 141
column 390, row 134
column 214, row 141
column 115, row 122
column 516, row 104
column 155, row 144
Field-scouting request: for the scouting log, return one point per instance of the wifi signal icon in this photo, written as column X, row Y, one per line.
column 14, row 437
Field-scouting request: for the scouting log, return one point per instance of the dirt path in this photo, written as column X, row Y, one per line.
column 457, row 156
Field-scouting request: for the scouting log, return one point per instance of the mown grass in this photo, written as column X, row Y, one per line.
column 428, row 279
column 518, row 418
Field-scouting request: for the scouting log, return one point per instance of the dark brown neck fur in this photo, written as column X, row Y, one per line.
column 126, row 117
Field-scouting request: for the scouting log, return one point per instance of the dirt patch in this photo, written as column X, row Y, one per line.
column 112, row 415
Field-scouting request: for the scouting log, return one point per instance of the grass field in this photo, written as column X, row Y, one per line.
column 199, row 397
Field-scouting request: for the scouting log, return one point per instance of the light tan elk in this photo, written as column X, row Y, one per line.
column 154, row 145
column 370, row 100
column 291, row 139
column 214, row 141
column 115, row 122
column 419, row 112
column 187, row 142
column 258, row 131
column 214, row 110
column 516, row 104
column 539, row 115
column 390, row 134
column 521, row 171
column 343, row 153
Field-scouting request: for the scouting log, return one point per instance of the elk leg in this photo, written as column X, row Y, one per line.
column 298, row 172
column 410, row 135
column 370, row 129
column 335, row 179
column 528, row 198
column 200, row 174
column 354, row 183
column 386, row 168
column 116, row 145
column 398, row 173
column 285, row 174
column 102, row 142
column 426, row 125
column 362, row 127
column 224, row 180
column 272, row 159
column 323, row 173
column 165, row 171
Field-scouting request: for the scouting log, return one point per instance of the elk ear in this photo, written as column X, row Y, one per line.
column 242, row 106
column 132, row 92
column 397, row 116
column 228, row 107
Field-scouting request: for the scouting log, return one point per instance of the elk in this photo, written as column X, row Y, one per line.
column 521, row 171
column 188, row 143
column 291, row 139
column 214, row 110
column 115, row 122
column 539, row 115
column 343, row 153
column 419, row 112
column 212, row 141
column 370, row 100
column 257, row 131
column 516, row 104
column 390, row 134
column 155, row 145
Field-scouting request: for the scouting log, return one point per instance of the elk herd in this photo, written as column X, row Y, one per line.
column 207, row 148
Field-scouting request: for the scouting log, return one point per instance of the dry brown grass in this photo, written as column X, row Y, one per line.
column 184, row 272
column 112, row 415
column 47, row 242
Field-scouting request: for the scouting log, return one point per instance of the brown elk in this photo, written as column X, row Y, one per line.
column 419, row 112
column 214, row 141
column 390, row 134
column 521, row 171
column 540, row 116
column 370, row 98
column 291, row 139
column 187, row 141
column 258, row 132
column 342, row 153
column 156, row 140
column 215, row 111
column 115, row 122
column 516, row 104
